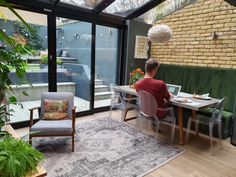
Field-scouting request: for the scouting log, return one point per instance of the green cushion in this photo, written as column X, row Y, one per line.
column 207, row 112
column 218, row 82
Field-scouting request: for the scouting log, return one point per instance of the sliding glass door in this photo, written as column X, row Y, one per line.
column 106, row 63
column 86, row 60
column 73, row 58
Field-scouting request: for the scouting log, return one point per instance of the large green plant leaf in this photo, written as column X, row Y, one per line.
column 17, row 158
column 7, row 39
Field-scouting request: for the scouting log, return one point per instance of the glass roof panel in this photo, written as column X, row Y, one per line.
column 124, row 7
column 164, row 9
column 90, row 4
column 47, row 1
column 149, row 17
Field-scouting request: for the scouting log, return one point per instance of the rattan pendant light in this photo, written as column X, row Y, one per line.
column 159, row 33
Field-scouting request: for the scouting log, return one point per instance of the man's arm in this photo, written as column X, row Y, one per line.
column 167, row 95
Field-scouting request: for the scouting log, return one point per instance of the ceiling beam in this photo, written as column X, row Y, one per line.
column 56, row 2
column 64, row 9
column 102, row 5
column 144, row 8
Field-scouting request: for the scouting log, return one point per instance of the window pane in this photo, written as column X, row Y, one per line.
column 74, row 60
column 36, row 53
column 164, row 9
column 106, row 67
column 124, row 7
column 83, row 3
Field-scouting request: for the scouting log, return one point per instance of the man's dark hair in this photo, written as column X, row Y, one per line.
column 151, row 64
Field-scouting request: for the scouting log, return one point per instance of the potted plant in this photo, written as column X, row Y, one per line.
column 4, row 118
column 10, row 57
column 134, row 76
column 44, row 62
column 17, row 157
column 10, row 61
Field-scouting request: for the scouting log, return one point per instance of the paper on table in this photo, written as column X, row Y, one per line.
column 205, row 95
column 193, row 103
column 182, row 100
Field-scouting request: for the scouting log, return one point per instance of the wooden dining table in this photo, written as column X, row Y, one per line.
column 194, row 104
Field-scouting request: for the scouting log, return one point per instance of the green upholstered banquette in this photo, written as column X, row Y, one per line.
column 217, row 82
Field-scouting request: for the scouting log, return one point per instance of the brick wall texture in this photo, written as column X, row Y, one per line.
column 192, row 43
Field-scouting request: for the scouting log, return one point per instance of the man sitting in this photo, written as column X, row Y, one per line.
column 157, row 88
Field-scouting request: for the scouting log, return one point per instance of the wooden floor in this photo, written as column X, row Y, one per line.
column 197, row 160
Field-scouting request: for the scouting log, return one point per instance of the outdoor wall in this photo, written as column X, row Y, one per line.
column 192, row 43
column 8, row 26
column 135, row 28
column 107, row 54
column 80, row 48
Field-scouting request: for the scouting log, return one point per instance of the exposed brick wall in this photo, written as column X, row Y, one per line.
column 192, row 44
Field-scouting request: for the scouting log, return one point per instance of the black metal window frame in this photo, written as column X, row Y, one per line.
column 52, row 74
column 95, row 13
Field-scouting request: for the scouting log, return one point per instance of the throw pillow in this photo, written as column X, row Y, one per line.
column 55, row 109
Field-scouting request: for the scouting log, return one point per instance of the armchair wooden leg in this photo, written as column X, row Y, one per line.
column 73, row 142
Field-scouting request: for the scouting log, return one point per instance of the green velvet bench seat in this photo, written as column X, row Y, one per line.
column 217, row 82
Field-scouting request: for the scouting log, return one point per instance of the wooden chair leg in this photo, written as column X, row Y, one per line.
column 124, row 114
column 73, row 142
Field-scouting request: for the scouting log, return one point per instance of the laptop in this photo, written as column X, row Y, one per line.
column 174, row 89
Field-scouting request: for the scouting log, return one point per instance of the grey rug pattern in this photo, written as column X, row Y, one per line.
column 118, row 150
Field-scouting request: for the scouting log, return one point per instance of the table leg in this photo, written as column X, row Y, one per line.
column 193, row 114
column 124, row 114
column 196, row 124
column 180, row 122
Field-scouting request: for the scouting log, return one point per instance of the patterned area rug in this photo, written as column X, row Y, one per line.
column 118, row 150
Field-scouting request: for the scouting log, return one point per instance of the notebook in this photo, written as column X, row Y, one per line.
column 174, row 89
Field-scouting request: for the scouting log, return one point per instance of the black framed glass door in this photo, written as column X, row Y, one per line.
column 68, row 56
column 73, row 59
column 106, row 63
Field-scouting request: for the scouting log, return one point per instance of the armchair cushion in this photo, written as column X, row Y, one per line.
column 50, row 127
column 55, row 109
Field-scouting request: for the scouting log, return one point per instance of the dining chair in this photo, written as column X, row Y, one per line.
column 148, row 108
column 215, row 119
column 118, row 100
column 56, row 116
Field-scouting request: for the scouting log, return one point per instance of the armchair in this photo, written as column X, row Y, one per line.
column 56, row 126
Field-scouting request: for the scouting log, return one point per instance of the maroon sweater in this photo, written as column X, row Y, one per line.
column 158, row 89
